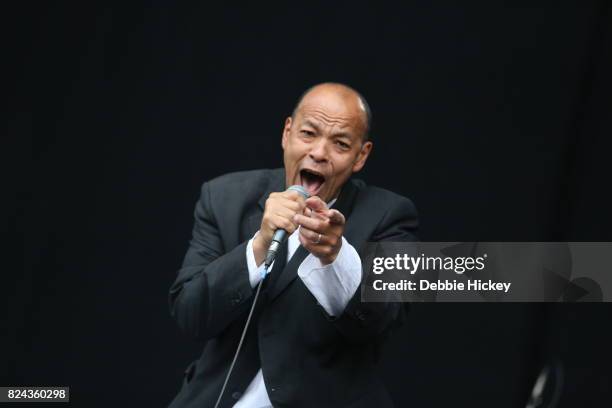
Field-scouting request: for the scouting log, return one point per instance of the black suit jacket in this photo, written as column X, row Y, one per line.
column 308, row 358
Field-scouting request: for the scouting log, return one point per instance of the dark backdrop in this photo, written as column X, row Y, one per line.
column 493, row 117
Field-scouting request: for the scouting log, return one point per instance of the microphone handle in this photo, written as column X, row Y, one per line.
column 277, row 240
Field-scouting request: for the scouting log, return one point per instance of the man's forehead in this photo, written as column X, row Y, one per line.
column 317, row 114
column 336, row 126
column 348, row 125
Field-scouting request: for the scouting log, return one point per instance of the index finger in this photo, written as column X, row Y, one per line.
column 335, row 217
column 316, row 204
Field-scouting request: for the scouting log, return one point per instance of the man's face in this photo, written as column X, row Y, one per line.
column 323, row 143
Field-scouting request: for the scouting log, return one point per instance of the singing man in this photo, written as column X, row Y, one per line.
column 311, row 341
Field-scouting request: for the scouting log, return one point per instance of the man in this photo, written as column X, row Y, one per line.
column 311, row 342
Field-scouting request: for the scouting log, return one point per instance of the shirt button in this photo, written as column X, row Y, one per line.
column 236, row 395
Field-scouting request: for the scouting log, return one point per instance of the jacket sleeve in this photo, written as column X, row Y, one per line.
column 212, row 286
column 364, row 322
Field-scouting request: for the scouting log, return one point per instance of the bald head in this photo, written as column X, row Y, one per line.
column 330, row 93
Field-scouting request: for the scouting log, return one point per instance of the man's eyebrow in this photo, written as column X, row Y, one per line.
column 309, row 122
column 343, row 134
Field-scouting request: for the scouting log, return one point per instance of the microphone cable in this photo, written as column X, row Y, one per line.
column 279, row 236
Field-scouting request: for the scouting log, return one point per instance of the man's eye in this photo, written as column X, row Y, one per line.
column 307, row 132
column 343, row 145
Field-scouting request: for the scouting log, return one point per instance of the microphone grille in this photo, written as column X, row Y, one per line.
column 300, row 190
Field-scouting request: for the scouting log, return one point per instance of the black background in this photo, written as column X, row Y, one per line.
column 492, row 116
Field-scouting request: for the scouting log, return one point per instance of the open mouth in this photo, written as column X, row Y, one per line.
column 312, row 181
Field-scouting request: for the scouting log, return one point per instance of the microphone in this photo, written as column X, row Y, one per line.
column 280, row 234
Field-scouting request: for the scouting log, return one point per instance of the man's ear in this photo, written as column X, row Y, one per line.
column 286, row 131
column 362, row 156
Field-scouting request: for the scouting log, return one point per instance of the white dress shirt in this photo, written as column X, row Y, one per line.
column 332, row 285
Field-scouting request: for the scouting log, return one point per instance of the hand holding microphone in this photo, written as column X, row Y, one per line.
column 321, row 228
column 277, row 222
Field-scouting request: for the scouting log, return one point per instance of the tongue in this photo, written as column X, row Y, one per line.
column 311, row 184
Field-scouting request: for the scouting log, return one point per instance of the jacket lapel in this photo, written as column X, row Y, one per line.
column 344, row 204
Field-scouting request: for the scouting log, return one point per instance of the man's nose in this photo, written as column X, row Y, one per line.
column 318, row 152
